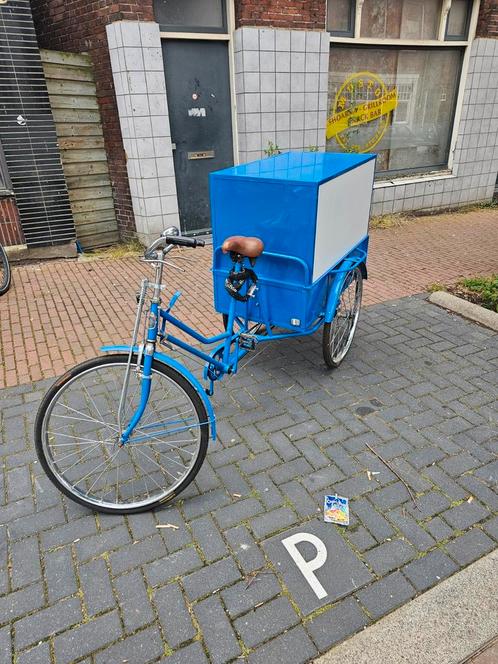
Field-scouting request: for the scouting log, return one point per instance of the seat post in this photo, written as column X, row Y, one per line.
column 239, row 258
column 236, row 257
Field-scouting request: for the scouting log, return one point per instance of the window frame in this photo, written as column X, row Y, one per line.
column 441, row 42
column 5, row 182
column 352, row 14
column 189, row 29
column 466, row 28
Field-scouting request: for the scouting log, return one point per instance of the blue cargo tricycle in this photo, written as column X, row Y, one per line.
column 128, row 431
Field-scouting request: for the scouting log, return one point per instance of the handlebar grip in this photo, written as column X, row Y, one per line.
column 182, row 241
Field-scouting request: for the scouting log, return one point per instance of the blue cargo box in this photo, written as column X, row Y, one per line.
column 310, row 209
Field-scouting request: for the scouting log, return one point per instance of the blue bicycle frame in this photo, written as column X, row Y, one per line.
column 232, row 345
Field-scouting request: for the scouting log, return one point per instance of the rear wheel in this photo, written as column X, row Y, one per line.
column 338, row 334
column 4, row 271
column 77, row 436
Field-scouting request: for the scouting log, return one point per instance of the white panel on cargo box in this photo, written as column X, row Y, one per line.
column 342, row 216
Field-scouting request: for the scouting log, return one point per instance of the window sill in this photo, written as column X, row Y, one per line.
column 6, row 193
column 389, row 41
column 396, row 182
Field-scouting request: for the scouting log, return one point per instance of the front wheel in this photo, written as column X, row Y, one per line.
column 4, row 271
column 338, row 334
column 77, row 436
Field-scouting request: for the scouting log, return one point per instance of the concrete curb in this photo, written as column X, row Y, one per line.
column 466, row 309
column 447, row 624
column 21, row 252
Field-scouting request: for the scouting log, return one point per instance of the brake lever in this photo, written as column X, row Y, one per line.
column 163, row 262
column 173, row 265
column 148, row 255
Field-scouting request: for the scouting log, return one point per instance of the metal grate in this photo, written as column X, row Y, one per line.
column 27, row 132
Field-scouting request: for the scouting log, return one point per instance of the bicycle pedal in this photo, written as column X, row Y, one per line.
column 248, row 341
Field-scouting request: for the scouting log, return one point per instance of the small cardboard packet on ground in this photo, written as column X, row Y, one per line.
column 336, row 510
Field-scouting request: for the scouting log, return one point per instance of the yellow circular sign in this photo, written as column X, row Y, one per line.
column 360, row 113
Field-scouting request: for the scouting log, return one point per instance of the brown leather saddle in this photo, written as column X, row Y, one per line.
column 250, row 247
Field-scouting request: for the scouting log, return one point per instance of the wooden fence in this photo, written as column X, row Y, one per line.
column 73, row 98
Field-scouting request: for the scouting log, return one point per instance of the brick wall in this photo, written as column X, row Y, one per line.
column 10, row 227
column 294, row 14
column 79, row 26
column 487, row 25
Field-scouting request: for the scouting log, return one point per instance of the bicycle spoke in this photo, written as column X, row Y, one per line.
column 150, row 476
column 131, row 401
column 164, row 453
column 84, row 416
column 78, row 438
column 102, row 442
column 109, row 461
column 146, row 436
column 155, row 463
column 144, row 478
column 158, row 423
column 85, row 456
column 79, row 419
column 92, row 401
column 92, row 471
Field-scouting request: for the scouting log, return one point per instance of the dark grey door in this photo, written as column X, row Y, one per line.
column 198, row 85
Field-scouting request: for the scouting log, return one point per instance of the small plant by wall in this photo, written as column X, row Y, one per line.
column 272, row 149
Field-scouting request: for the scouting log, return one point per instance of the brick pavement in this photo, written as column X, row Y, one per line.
column 60, row 313
column 419, row 386
column 488, row 655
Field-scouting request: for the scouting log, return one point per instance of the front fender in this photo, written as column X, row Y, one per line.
column 165, row 359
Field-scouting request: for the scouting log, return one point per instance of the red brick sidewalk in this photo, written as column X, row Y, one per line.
column 489, row 655
column 59, row 313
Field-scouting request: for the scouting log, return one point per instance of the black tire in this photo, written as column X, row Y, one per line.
column 332, row 355
column 49, row 402
column 5, row 274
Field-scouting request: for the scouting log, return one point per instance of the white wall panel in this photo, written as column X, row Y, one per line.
column 342, row 216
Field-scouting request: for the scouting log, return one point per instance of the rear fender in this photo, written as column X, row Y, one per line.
column 165, row 359
column 333, row 296
column 336, row 286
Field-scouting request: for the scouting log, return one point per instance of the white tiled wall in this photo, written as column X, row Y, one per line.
column 138, row 73
column 281, row 81
column 475, row 165
column 281, row 87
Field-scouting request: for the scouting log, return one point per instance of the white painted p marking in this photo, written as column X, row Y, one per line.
column 308, row 567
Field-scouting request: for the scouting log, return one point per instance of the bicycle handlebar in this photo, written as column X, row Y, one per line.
column 167, row 241
column 183, row 241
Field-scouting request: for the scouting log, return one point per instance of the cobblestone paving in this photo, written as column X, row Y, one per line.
column 419, row 387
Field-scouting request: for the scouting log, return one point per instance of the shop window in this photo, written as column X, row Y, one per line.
column 191, row 15
column 400, row 19
column 396, row 102
column 458, row 20
column 394, row 78
column 340, row 17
